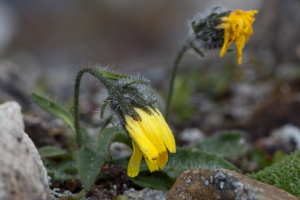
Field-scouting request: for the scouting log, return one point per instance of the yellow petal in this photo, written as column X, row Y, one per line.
column 135, row 161
column 237, row 27
column 151, row 165
column 151, row 138
column 139, row 136
column 227, row 42
column 165, row 132
column 151, row 127
column 162, row 159
column 240, row 43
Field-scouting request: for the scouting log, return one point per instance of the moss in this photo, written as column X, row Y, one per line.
column 284, row 174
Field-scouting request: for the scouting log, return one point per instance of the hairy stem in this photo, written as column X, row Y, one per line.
column 96, row 73
column 173, row 75
column 189, row 44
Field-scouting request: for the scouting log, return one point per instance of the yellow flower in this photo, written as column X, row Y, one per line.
column 237, row 27
column 151, row 137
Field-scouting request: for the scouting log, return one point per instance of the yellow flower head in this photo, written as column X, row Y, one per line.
column 237, row 27
column 151, row 137
column 133, row 103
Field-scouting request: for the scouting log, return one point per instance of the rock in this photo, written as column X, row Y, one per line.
column 13, row 86
column 285, row 138
column 191, row 136
column 22, row 174
column 145, row 194
column 214, row 184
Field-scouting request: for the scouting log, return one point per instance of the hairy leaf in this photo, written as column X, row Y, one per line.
column 51, row 152
column 226, row 144
column 54, row 109
column 185, row 159
column 123, row 162
column 60, row 171
column 112, row 75
column 108, row 136
column 89, row 164
column 92, row 156
column 157, row 180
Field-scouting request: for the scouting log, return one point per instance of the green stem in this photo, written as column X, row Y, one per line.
column 173, row 75
column 189, row 44
column 196, row 49
column 106, row 122
column 96, row 73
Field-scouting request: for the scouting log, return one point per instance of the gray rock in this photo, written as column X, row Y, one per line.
column 211, row 184
column 22, row 174
column 286, row 138
column 145, row 194
column 191, row 136
column 13, row 86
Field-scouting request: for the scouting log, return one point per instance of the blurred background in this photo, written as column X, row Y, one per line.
column 51, row 40
column 44, row 43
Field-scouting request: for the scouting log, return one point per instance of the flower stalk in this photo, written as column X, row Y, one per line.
column 96, row 73
column 132, row 104
column 188, row 45
column 172, row 80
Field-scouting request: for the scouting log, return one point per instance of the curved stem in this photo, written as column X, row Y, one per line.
column 189, row 44
column 96, row 73
column 173, row 75
column 196, row 49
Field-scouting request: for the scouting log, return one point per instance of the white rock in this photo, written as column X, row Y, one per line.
column 22, row 174
column 287, row 134
column 191, row 136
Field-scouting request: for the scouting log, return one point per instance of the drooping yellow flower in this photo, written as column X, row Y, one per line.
column 237, row 27
column 151, row 138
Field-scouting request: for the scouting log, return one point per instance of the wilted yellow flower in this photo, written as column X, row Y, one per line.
column 237, row 27
column 151, row 137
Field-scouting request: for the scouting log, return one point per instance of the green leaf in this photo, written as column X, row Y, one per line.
column 109, row 135
column 284, row 174
column 54, row 109
column 157, row 181
column 60, row 171
column 185, row 159
column 123, row 162
column 88, row 140
column 89, row 164
column 112, row 75
column 92, row 156
column 226, row 144
column 51, row 152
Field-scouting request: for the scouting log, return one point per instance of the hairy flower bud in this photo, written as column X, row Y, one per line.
column 205, row 29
